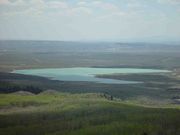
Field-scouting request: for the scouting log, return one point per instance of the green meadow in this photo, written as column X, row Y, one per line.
column 54, row 113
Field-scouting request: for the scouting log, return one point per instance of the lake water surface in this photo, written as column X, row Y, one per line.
column 87, row 74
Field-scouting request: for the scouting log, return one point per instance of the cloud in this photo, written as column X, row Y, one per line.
column 12, row 7
column 79, row 10
column 173, row 2
column 57, row 4
column 102, row 10
column 31, row 6
column 12, row 3
column 91, row 19
column 82, row 3
column 108, row 11
column 2, row 2
column 135, row 5
column 105, row 6
column 57, row 7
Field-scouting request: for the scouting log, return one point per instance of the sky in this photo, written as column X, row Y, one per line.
column 91, row 20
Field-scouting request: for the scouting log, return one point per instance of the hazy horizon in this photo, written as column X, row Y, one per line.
column 97, row 41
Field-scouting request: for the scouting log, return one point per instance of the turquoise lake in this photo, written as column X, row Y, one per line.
column 87, row 74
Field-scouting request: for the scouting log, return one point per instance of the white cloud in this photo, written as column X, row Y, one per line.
column 31, row 6
column 82, row 3
column 7, row 2
column 105, row 5
column 79, row 10
column 58, row 7
column 173, row 2
column 57, row 4
column 2, row 2
column 135, row 5
column 58, row 19
column 109, row 11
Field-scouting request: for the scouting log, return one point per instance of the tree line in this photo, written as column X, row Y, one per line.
column 6, row 87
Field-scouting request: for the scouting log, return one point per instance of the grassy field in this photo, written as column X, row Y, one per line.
column 52, row 113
